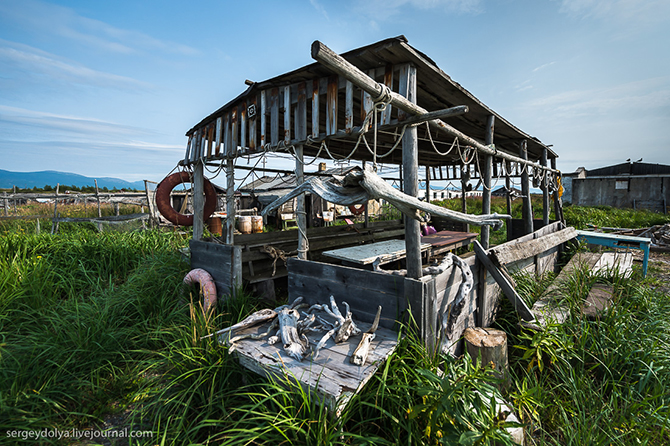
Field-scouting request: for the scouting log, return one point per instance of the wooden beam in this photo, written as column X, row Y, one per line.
column 558, row 206
column 230, row 200
column 511, row 252
column 349, row 107
column 516, row 300
column 198, row 200
column 527, row 209
column 339, row 65
column 300, row 205
column 410, row 160
column 486, row 181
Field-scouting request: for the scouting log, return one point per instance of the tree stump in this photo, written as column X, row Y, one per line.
column 491, row 344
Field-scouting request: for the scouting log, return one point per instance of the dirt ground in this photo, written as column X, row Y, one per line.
column 658, row 269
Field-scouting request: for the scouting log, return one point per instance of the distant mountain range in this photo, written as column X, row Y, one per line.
column 26, row 180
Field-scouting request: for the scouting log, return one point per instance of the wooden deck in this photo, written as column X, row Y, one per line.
column 444, row 241
column 334, row 379
column 386, row 251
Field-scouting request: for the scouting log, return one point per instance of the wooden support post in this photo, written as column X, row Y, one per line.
column 198, row 200
column 97, row 197
column 527, row 210
column 486, row 181
column 14, row 189
column 410, row 158
column 366, row 223
column 303, row 246
column 508, row 199
column 116, row 208
column 54, row 223
column 427, row 184
column 464, row 203
column 230, row 200
column 545, row 189
column 558, row 207
column 5, row 202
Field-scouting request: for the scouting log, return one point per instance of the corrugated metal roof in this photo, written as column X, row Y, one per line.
column 630, row 169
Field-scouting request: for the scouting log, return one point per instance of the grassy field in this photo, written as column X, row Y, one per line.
column 98, row 332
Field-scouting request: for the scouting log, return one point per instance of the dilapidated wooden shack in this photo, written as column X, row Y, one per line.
column 386, row 102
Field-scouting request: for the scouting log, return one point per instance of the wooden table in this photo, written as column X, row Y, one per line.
column 364, row 255
column 618, row 241
column 444, row 241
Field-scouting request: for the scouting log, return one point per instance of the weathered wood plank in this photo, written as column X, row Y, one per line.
column 518, row 303
column 234, row 132
column 386, row 251
column 301, row 113
column 349, row 107
column 363, row 290
column 315, row 108
column 287, row 114
column 219, row 136
column 264, row 111
column 332, row 105
column 388, row 81
column 274, row 117
column 223, row 262
column 331, row 375
column 513, row 251
column 243, row 124
column 252, row 115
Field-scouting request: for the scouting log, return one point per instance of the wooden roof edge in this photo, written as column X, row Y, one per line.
column 419, row 58
column 432, row 65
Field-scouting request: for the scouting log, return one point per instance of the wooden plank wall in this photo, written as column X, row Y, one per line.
column 362, row 290
column 319, row 108
column 223, row 262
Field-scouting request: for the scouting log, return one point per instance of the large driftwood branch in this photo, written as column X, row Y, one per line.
column 359, row 186
column 450, row 317
column 296, row 344
column 253, row 319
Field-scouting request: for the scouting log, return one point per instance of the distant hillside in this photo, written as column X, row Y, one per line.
column 25, row 180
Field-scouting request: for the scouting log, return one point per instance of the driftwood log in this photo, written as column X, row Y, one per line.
column 296, row 344
column 361, row 185
column 450, row 317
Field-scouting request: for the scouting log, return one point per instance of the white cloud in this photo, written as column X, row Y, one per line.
column 45, row 125
column 46, row 18
column 23, row 59
column 639, row 97
column 380, row 10
column 628, row 13
column 541, row 67
column 319, row 7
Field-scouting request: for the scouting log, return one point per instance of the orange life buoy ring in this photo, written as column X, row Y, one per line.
column 357, row 209
column 164, row 189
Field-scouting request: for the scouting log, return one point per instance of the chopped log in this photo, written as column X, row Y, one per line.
column 491, row 345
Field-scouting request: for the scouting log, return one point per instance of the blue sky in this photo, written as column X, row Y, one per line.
column 109, row 88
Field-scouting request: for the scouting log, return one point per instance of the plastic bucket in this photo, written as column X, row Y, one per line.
column 256, row 224
column 244, row 224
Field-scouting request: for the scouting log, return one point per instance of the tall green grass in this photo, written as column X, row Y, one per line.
column 594, row 382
